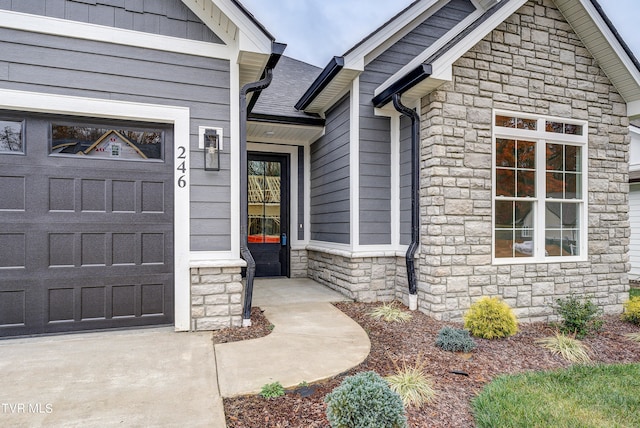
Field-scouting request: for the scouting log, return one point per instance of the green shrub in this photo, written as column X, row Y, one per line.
column 490, row 318
column 272, row 390
column 632, row 310
column 365, row 401
column 455, row 340
column 579, row 316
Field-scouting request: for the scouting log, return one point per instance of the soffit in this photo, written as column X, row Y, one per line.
column 602, row 43
column 282, row 133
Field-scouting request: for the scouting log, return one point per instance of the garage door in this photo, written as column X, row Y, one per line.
column 86, row 224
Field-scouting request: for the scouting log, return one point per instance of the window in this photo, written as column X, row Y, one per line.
column 11, row 136
column 539, row 176
column 107, row 142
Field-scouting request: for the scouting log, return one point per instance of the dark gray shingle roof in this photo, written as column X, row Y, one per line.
column 291, row 78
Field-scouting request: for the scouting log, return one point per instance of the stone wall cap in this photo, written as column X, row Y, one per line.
column 217, row 263
column 356, row 254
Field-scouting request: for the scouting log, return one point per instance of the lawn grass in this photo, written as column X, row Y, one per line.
column 581, row 396
column 634, row 292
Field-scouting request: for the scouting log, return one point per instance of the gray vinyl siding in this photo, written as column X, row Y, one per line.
column 65, row 66
column 330, row 177
column 375, row 134
column 164, row 17
column 405, row 180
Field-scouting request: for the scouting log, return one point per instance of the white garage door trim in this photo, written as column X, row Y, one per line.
column 179, row 117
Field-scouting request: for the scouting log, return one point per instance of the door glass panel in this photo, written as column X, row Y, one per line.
column 264, row 202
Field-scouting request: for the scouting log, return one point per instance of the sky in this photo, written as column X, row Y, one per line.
column 317, row 30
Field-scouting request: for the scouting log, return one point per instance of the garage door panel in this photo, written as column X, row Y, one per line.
column 12, row 193
column 13, row 252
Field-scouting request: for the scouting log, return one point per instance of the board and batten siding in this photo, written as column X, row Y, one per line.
column 375, row 134
column 330, row 190
column 82, row 68
column 164, row 17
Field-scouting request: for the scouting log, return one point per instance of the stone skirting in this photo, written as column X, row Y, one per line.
column 216, row 297
column 362, row 278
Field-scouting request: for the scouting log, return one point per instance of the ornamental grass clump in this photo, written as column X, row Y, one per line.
column 455, row 340
column 390, row 313
column 632, row 310
column 414, row 386
column 491, row 318
column 634, row 337
column 569, row 348
column 579, row 316
column 365, row 400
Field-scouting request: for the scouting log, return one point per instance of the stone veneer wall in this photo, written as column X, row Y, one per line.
column 216, row 297
column 299, row 263
column 364, row 279
column 533, row 63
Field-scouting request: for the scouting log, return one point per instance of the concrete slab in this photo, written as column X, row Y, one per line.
column 287, row 291
column 134, row 378
column 310, row 342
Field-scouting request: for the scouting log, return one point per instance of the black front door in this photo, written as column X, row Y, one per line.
column 268, row 197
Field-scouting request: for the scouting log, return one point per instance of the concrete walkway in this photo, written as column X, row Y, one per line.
column 133, row 378
column 311, row 341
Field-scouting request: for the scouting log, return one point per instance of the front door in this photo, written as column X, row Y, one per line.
column 268, row 197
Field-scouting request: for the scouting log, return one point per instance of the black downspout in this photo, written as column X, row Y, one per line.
column 244, row 203
column 415, row 190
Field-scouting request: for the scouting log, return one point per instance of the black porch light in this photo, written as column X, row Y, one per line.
column 211, row 150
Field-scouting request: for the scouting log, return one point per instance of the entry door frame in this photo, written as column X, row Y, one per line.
column 285, row 203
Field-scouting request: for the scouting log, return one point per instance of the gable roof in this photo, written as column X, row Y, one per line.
column 433, row 66
column 237, row 27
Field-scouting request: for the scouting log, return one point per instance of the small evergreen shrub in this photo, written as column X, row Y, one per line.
column 365, row 400
column 632, row 310
column 272, row 390
column 455, row 340
column 579, row 316
column 490, row 318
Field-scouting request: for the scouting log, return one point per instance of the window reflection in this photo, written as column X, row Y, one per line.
column 103, row 142
column 264, row 202
column 11, row 137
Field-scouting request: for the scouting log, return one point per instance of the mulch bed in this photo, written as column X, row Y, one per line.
column 457, row 377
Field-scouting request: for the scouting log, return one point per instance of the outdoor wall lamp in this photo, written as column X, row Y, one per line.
column 211, row 150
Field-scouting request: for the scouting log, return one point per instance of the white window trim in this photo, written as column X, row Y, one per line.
column 541, row 137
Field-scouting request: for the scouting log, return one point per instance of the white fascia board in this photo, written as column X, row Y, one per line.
column 251, row 37
column 388, row 33
column 616, row 47
column 110, row 109
column 101, row 33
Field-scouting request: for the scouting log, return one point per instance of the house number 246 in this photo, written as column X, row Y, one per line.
column 182, row 167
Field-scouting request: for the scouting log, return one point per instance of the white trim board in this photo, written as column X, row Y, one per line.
column 101, row 33
column 180, row 118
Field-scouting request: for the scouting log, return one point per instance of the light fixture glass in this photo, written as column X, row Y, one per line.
column 211, row 150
